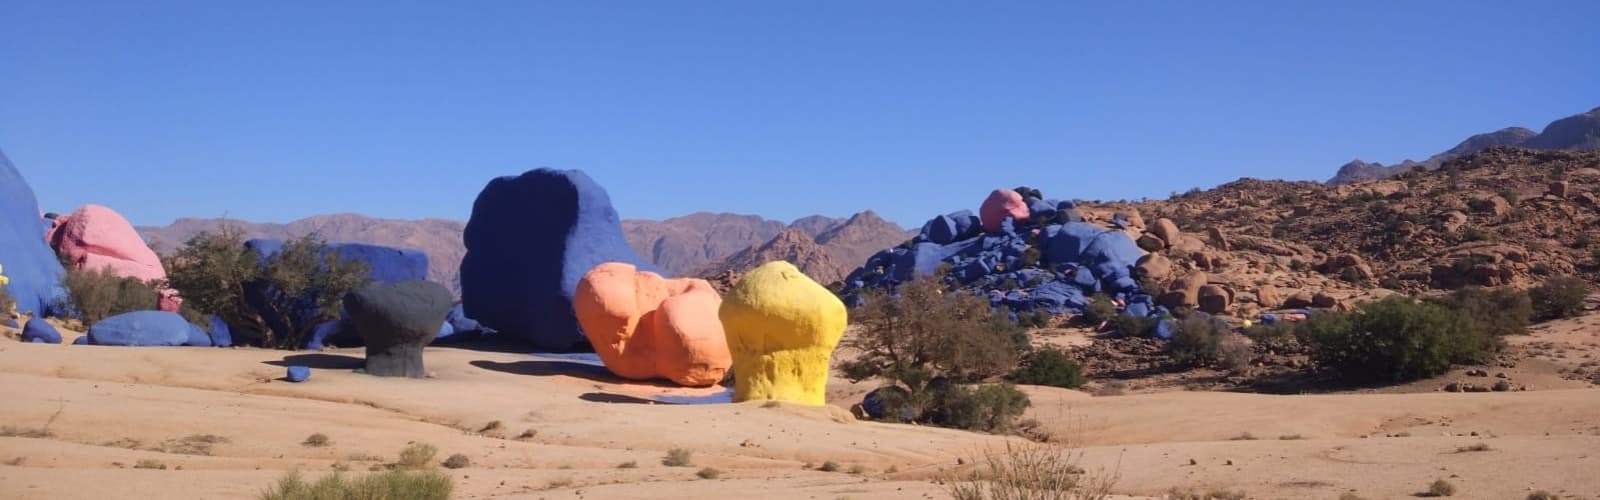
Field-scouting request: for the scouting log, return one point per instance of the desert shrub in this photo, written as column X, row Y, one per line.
column 926, row 335
column 1035, row 319
column 1030, row 257
column 1049, row 367
column 1031, row 471
column 391, row 485
column 1234, row 353
column 7, row 303
column 1278, row 336
column 1540, row 269
column 457, row 461
column 1583, row 240
column 96, row 294
column 211, row 272
column 1558, row 297
column 1473, row 234
column 631, row 464
column 1511, row 197
column 1498, row 312
column 678, row 457
column 987, row 407
column 1131, row 326
column 1475, row 447
column 1195, row 339
column 708, row 473
column 1542, row 495
column 1464, row 264
column 1213, row 494
column 1101, row 309
column 417, row 456
column 829, row 466
column 1441, row 488
column 317, row 440
column 1394, row 340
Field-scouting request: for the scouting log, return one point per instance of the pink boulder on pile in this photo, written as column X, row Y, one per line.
column 1001, row 203
column 96, row 237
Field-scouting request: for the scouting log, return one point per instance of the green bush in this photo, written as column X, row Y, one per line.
column 1278, row 336
column 1195, row 339
column 93, row 295
column 1394, row 340
column 7, row 304
column 1558, row 297
column 1049, row 367
column 989, row 407
column 1496, row 313
column 1030, row 257
column 1131, row 326
column 417, row 456
column 1101, row 309
column 391, row 485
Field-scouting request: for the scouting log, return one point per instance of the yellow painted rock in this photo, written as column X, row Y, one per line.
column 645, row 327
column 782, row 328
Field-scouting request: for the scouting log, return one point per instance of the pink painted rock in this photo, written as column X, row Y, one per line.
column 1001, row 203
column 645, row 327
column 96, row 237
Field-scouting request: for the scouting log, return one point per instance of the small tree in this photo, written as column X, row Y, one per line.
column 1049, row 367
column 925, row 340
column 1394, row 340
column 1194, row 342
column 210, row 271
column 96, row 294
column 305, row 284
column 1497, row 313
column 1558, row 297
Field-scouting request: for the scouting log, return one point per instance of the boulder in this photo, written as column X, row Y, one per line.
column 1218, row 239
column 197, row 337
column 396, row 320
column 1214, row 299
column 1184, row 291
column 1454, row 220
column 1167, row 230
column 1151, row 243
column 39, row 330
column 529, row 241
column 782, row 329
column 645, row 327
column 1558, row 189
column 1492, row 205
column 1001, row 204
column 81, row 340
column 1322, row 299
column 877, row 402
column 98, row 238
column 384, row 264
column 297, row 373
column 141, row 328
column 31, row 268
column 221, row 336
column 1299, row 300
column 1154, row 267
column 1267, row 296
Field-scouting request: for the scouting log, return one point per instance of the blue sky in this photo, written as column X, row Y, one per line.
column 271, row 111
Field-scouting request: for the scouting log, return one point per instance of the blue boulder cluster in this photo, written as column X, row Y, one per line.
column 1051, row 263
column 385, row 264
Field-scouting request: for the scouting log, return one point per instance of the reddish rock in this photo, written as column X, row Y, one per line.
column 1322, row 299
column 1299, row 300
column 1267, row 296
column 1167, row 230
column 1151, row 243
column 1218, row 239
column 1154, row 267
column 1558, row 189
column 1214, row 299
column 1184, row 291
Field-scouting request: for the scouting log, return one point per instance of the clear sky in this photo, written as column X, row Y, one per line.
column 271, row 111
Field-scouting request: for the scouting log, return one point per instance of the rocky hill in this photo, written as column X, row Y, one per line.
column 793, row 245
column 1574, row 133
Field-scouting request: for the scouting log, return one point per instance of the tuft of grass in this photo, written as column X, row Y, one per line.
column 193, row 444
column 1291, row 437
column 528, row 434
column 490, row 427
column 771, row 404
column 1179, row 494
column 857, row 469
column 892, row 469
column 394, row 484
column 1350, row 495
column 1030, row 471
column 709, row 473
column 829, row 466
column 417, row 456
column 558, row 483
column 363, row 457
column 146, row 463
column 457, row 461
column 317, row 440
column 339, row 466
column 631, row 464
column 1543, row 495
column 678, row 457
column 1243, row 437
column 26, row 432
column 1475, row 447
column 129, row 443
column 1441, row 488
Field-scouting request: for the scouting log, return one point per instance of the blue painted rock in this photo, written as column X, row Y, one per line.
column 10, row 323
column 81, row 340
column 141, row 328
column 396, row 320
column 197, row 337
column 297, row 373
column 221, row 336
column 385, row 264
column 460, row 323
column 37, row 330
column 876, row 403
column 336, row 333
column 32, row 269
column 529, row 240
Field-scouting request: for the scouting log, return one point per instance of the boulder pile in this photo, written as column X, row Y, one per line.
column 1027, row 254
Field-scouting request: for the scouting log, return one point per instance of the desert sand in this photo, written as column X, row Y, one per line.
column 564, row 428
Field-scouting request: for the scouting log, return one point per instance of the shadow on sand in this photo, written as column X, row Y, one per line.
column 320, row 361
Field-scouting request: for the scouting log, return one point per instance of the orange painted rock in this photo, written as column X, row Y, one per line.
column 1001, row 203
column 645, row 327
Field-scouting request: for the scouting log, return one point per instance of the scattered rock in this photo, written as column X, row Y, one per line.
column 297, row 373
column 1167, row 230
column 1184, row 291
column 1214, row 299
column 1558, row 189
column 1154, row 267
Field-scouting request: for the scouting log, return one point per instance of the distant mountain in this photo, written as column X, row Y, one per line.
column 1577, row 132
column 816, row 224
column 681, row 245
column 439, row 238
column 793, row 245
column 857, row 239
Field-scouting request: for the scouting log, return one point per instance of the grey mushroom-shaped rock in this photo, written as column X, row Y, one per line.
column 396, row 320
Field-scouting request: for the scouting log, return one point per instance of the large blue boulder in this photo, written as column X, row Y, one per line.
column 81, row 340
column 387, row 264
column 39, row 330
column 876, row 403
column 34, row 271
column 141, row 328
column 198, row 337
column 529, row 240
column 221, row 336
column 950, row 227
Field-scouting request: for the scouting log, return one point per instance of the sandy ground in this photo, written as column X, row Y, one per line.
column 105, row 409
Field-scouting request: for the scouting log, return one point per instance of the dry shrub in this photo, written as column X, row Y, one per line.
column 1031, row 472
column 417, row 456
column 390, row 485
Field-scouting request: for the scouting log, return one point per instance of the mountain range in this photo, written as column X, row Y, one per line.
column 1573, row 133
column 690, row 245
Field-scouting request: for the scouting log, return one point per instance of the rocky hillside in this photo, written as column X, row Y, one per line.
column 793, row 245
column 856, row 239
column 439, row 238
column 1574, row 133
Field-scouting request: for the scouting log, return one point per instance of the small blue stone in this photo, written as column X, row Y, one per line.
column 299, row 373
